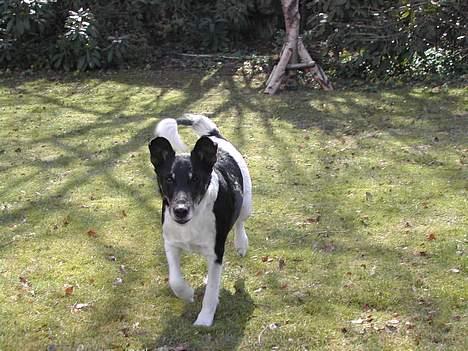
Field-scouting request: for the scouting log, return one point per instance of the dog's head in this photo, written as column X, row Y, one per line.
column 183, row 179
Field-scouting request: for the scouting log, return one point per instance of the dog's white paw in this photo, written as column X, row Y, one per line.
column 241, row 243
column 183, row 291
column 241, row 251
column 204, row 319
column 187, row 294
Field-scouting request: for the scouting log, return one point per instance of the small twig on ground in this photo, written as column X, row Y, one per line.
column 271, row 326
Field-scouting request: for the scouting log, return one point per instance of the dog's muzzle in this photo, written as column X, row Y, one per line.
column 181, row 213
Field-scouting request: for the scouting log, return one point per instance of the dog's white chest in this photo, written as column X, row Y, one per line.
column 198, row 235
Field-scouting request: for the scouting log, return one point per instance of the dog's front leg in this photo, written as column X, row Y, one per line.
column 177, row 283
column 211, row 298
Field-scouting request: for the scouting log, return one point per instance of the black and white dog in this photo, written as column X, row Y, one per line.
column 204, row 195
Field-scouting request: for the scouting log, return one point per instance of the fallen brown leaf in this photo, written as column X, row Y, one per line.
column 91, row 233
column 431, row 236
column 313, row 220
column 68, row 290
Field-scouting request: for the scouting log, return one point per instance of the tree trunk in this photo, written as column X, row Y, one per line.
column 292, row 48
column 317, row 71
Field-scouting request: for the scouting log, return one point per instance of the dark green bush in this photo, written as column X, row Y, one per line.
column 351, row 38
column 24, row 27
column 78, row 48
column 384, row 38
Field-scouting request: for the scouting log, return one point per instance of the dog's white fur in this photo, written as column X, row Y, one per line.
column 199, row 234
column 167, row 128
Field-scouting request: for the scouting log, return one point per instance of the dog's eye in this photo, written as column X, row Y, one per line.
column 195, row 179
column 169, row 179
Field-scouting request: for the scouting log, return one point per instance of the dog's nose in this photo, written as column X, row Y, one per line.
column 181, row 211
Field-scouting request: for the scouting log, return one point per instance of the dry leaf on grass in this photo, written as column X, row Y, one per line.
column 68, row 289
column 431, row 236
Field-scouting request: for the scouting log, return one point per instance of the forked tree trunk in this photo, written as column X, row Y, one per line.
column 292, row 48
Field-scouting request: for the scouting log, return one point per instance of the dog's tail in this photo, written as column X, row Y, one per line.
column 202, row 125
column 167, row 128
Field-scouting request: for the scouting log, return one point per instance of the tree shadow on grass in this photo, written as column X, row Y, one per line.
column 233, row 313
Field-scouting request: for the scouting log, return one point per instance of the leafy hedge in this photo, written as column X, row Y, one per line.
column 352, row 37
column 387, row 37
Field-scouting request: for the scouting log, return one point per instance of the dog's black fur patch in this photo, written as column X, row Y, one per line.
column 229, row 201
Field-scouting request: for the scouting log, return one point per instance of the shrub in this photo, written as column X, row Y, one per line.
column 213, row 32
column 23, row 31
column 116, row 50
column 352, row 38
column 382, row 38
column 435, row 61
column 78, row 47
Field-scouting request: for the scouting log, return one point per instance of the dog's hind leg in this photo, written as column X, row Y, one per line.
column 211, row 297
column 177, row 283
column 241, row 241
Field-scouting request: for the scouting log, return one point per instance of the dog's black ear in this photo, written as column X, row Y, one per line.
column 161, row 151
column 204, row 153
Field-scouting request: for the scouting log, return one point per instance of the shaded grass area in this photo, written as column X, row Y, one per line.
column 358, row 236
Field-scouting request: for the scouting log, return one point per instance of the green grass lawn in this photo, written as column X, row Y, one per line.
column 357, row 240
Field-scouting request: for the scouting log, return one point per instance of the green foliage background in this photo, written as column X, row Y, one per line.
column 352, row 38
